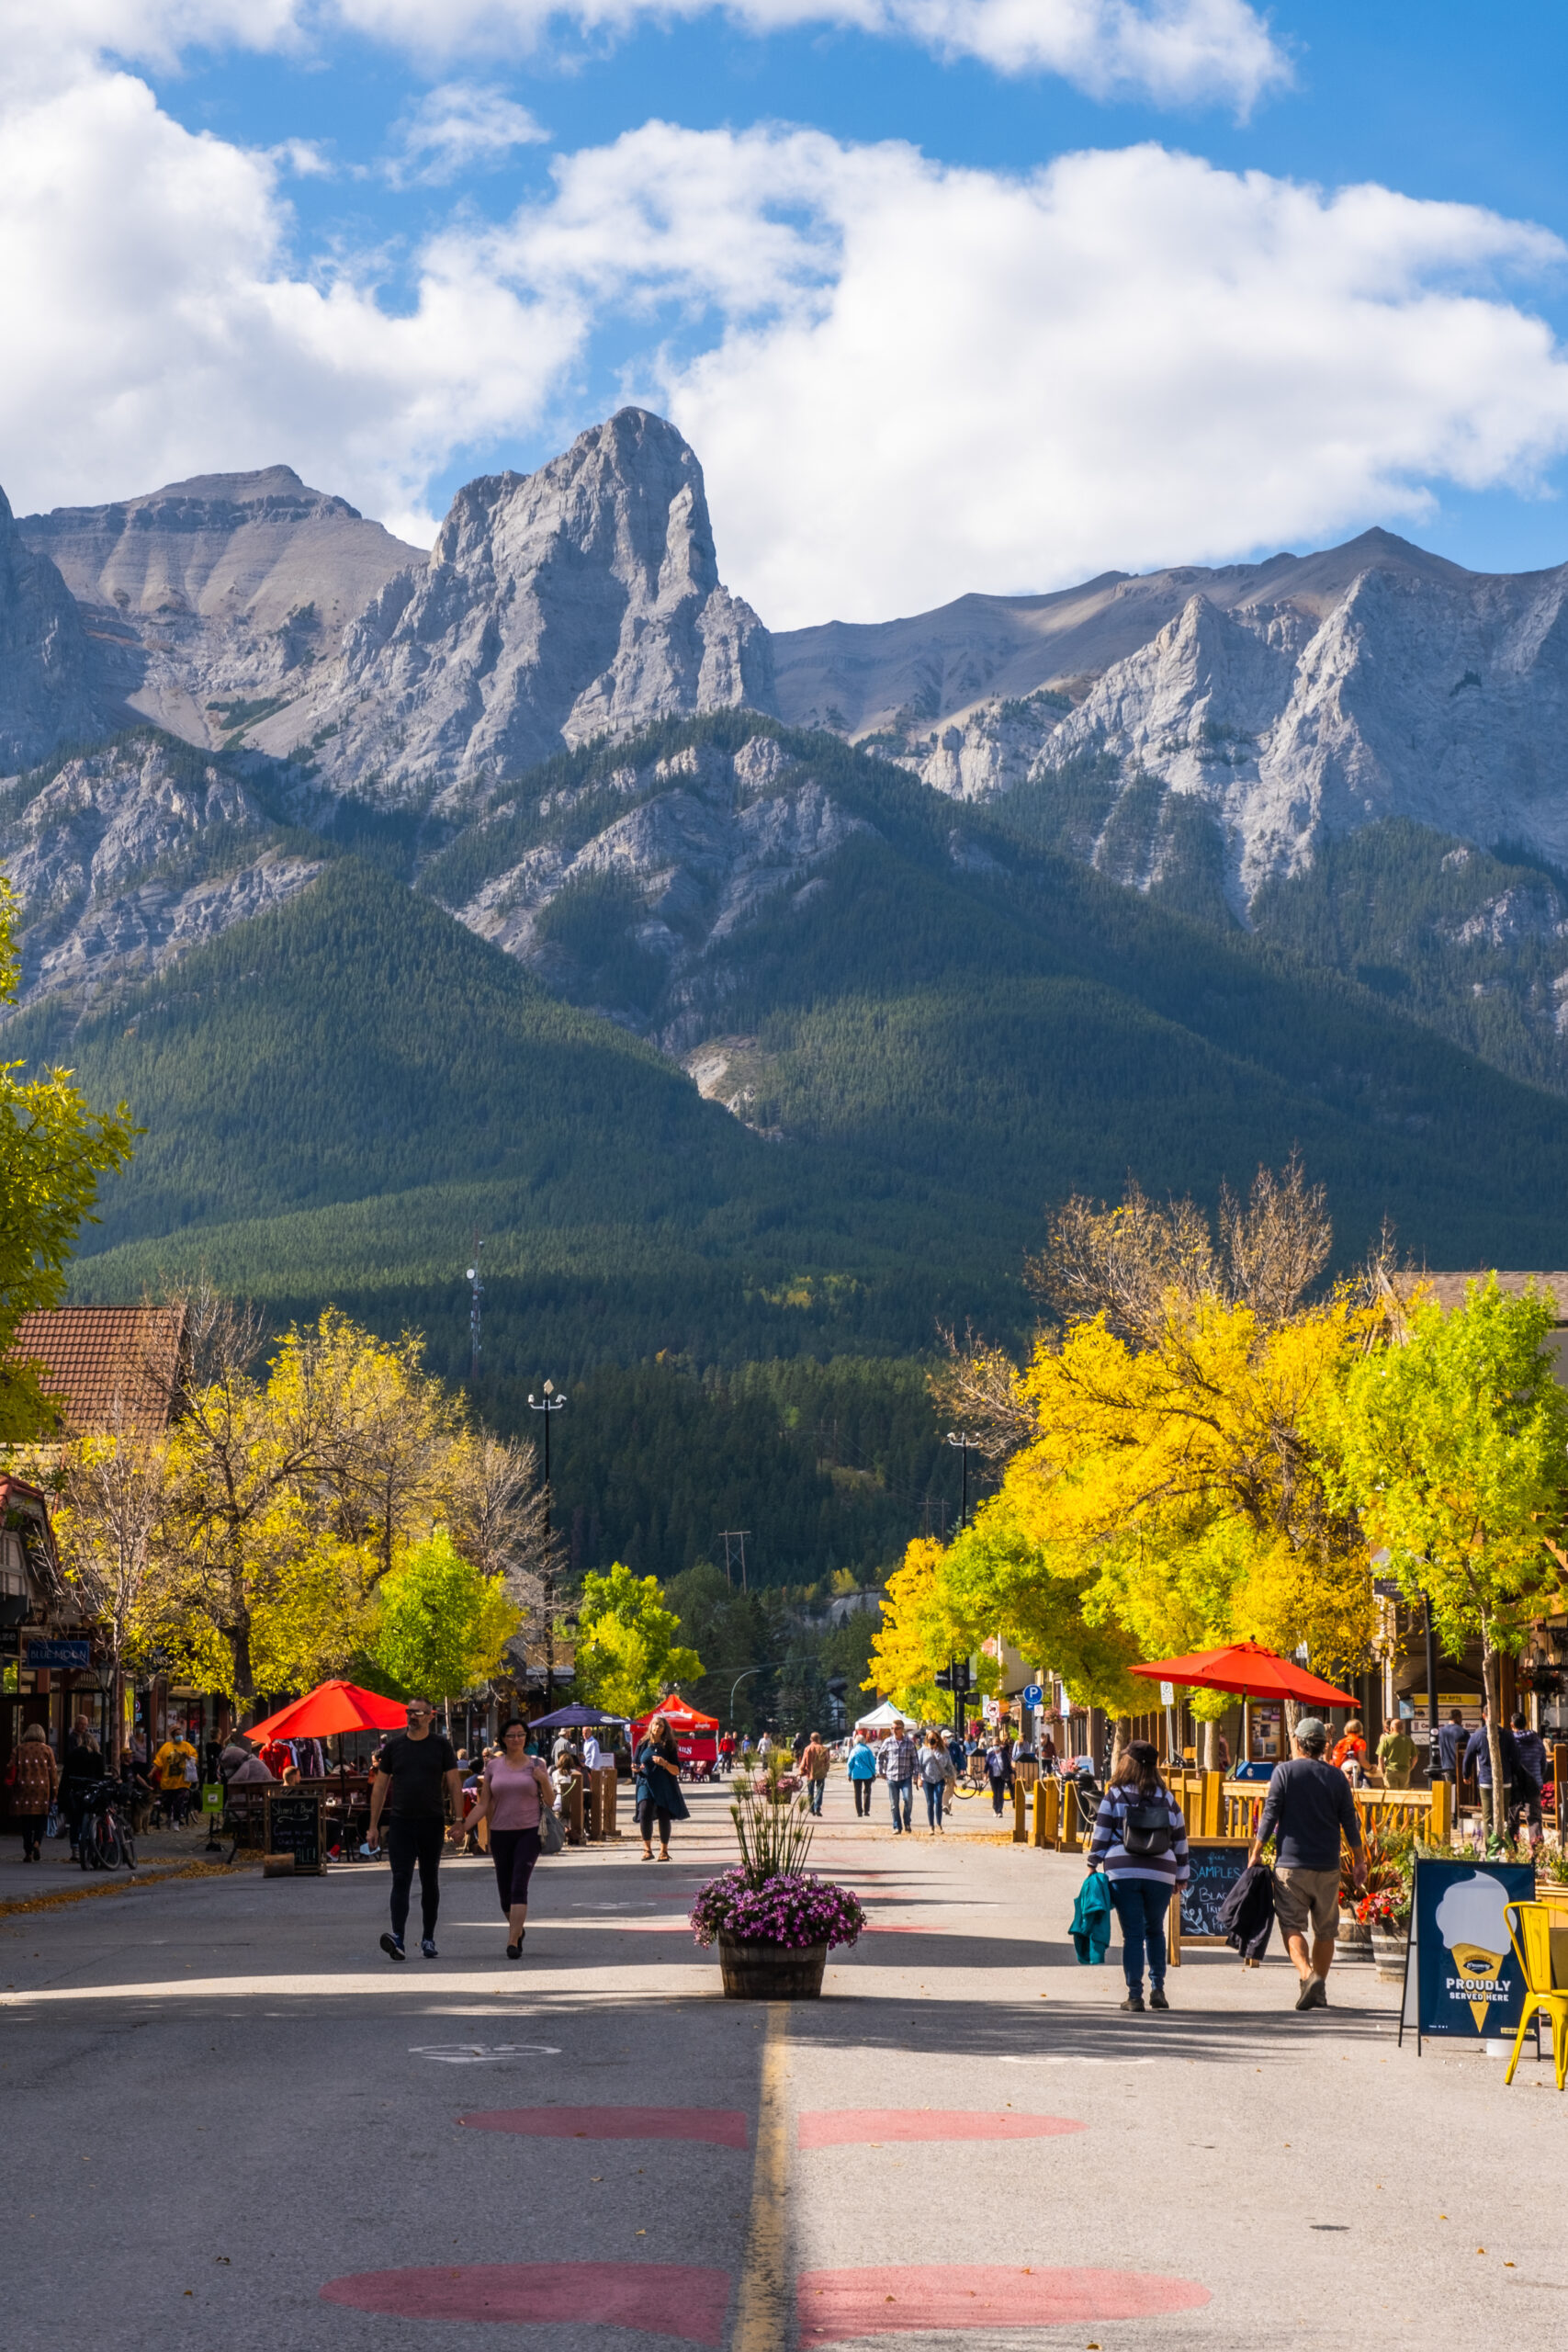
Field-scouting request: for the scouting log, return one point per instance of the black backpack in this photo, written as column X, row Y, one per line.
column 1146, row 1829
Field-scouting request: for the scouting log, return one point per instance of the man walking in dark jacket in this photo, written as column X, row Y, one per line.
column 1308, row 1808
column 1529, row 1779
column 1478, row 1759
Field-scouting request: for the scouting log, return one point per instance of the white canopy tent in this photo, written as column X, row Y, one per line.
column 883, row 1718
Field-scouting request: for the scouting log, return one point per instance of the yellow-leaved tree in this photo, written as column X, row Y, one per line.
column 1162, row 1490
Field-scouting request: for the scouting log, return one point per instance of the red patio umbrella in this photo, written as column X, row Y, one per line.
column 1248, row 1669
column 331, row 1707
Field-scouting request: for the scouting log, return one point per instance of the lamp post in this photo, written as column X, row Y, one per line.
column 736, row 1685
column 962, row 1439
column 549, row 1404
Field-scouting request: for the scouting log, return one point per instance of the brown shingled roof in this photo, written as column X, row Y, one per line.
column 106, row 1363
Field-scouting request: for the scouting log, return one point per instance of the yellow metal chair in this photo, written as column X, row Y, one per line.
column 1530, row 1932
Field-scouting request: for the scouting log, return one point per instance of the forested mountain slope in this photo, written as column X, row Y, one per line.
column 932, row 1037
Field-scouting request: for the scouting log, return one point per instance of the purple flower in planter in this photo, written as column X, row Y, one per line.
column 790, row 1910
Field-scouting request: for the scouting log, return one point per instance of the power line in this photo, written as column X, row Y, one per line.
column 727, row 1535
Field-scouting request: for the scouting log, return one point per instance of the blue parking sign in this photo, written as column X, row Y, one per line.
column 1033, row 1695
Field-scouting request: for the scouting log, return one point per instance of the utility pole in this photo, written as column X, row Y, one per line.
column 475, row 1294
column 727, row 1535
column 549, row 1404
column 964, row 1441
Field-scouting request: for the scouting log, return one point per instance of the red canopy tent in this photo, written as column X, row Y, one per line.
column 331, row 1707
column 697, row 1735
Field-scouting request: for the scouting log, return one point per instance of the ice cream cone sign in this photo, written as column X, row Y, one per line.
column 1471, row 1922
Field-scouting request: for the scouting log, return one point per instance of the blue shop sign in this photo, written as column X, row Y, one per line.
column 59, row 1654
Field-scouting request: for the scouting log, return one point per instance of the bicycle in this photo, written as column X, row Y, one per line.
column 106, row 1839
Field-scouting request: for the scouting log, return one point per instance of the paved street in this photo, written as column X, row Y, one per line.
column 233, row 2125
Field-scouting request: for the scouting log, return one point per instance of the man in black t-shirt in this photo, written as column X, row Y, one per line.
column 417, row 1783
column 1307, row 1811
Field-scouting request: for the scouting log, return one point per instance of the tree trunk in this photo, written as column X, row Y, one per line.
column 1492, row 1683
column 240, row 1650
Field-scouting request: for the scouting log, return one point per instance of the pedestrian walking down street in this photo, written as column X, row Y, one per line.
column 32, row 1780
column 815, row 1762
column 936, row 1769
column 999, row 1772
column 1396, row 1754
column 897, row 1765
column 83, row 1764
column 658, row 1798
column 1450, row 1744
column 1478, row 1759
column 1140, row 1842
column 512, row 1796
column 862, row 1770
column 1350, row 1752
column 1530, row 1780
column 417, row 1768
column 1307, row 1809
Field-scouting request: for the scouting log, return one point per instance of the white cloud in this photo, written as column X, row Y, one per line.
column 155, row 326
column 462, row 127
column 1174, row 52
column 924, row 381
column 904, row 381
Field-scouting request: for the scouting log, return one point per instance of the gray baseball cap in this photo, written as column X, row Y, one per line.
column 1310, row 1732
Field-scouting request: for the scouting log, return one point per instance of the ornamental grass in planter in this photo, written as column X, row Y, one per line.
column 773, row 1921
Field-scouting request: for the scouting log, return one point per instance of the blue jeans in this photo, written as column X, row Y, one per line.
column 933, row 1804
column 904, row 1790
column 1141, row 1906
column 816, row 1788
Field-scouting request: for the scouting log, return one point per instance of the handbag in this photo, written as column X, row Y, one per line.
column 552, row 1835
column 52, row 1826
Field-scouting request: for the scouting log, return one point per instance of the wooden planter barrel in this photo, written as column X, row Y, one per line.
column 769, row 1972
column 1389, row 1950
column 1355, row 1940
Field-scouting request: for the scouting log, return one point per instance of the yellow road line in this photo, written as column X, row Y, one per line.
column 761, row 2320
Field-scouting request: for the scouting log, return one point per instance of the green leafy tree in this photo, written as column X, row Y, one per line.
column 627, row 1651
column 440, row 1626
column 1452, row 1448
column 54, row 1149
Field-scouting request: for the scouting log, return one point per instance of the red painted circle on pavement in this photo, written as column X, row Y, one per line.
column 725, row 2127
column 838, row 2305
column 659, row 2298
column 841, row 2127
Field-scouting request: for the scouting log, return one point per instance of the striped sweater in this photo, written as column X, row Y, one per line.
column 1108, row 1846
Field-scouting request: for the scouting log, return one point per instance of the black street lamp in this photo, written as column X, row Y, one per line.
column 549, row 1404
column 963, row 1439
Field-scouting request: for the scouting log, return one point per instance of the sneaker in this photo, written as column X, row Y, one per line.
column 1157, row 1999
column 428, row 1947
column 1313, row 1995
column 1135, row 2003
column 393, row 1946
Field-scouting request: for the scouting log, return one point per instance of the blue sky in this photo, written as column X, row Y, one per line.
column 948, row 294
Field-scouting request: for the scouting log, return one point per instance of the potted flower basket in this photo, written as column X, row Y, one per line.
column 1387, row 1914
column 773, row 1922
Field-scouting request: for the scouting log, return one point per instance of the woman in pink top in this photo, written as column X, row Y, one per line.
column 513, row 1792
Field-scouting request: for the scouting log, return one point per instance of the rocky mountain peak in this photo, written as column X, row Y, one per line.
column 46, row 691
column 580, row 600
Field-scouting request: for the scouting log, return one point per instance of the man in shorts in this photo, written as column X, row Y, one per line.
column 1309, row 1806
column 417, row 1785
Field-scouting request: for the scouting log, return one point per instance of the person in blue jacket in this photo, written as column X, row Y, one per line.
column 862, row 1770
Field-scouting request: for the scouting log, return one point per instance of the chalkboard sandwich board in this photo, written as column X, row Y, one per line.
column 294, row 1827
column 1215, row 1863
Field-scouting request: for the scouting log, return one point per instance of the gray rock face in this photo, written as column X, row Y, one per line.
column 708, row 840
column 1298, row 700
column 128, row 856
column 46, row 689
column 212, row 595
column 579, row 601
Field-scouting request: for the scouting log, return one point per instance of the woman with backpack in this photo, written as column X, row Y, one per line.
column 1140, row 1839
